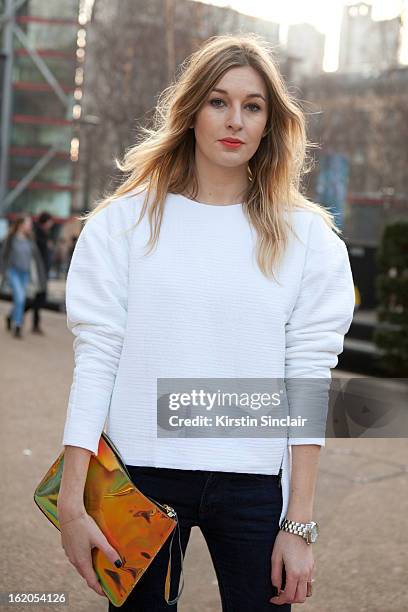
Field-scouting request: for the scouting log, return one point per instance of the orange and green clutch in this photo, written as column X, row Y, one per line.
column 136, row 525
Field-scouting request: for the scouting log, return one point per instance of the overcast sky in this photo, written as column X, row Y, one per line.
column 325, row 15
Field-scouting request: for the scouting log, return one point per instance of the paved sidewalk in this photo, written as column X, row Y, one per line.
column 361, row 499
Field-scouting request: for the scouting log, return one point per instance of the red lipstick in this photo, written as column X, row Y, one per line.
column 231, row 143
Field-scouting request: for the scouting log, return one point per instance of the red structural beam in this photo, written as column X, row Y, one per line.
column 47, row 20
column 363, row 201
column 30, row 86
column 44, row 186
column 49, row 53
column 35, row 152
column 36, row 120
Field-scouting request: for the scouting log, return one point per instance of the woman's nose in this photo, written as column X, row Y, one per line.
column 235, row 118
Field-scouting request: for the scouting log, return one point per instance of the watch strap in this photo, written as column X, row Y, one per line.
column 300, row 529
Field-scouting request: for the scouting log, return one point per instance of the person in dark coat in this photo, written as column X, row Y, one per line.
column 41, row 232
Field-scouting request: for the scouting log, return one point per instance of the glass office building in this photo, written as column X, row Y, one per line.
column 44, row 99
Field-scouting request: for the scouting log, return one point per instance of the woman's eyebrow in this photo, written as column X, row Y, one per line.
column 250, row 95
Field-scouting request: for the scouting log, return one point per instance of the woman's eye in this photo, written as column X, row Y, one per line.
column 254, row 107
column 216, row 100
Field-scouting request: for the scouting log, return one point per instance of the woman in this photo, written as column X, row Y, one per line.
column 18, row 259
column 218, row 177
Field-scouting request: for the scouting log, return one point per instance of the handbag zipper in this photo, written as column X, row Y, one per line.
column 170, row 511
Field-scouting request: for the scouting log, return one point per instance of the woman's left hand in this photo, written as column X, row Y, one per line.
column 296, row 555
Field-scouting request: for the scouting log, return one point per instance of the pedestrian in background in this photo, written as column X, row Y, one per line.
column 19, row 257
column 42, row 238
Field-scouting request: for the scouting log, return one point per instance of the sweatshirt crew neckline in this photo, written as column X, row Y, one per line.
column 204, row 204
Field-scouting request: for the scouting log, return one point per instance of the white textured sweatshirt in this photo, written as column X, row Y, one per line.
column 196, row 306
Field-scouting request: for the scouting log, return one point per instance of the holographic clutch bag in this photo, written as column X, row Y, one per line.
column 136, row 525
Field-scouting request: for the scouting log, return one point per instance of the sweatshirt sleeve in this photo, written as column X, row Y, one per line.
column 96, row 305
column 315, row 332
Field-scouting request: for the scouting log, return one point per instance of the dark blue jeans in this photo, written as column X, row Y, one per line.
column 238, row 515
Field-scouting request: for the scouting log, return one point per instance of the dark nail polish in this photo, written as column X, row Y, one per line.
column 118, row 563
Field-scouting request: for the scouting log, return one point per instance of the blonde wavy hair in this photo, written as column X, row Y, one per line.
column 163, row 160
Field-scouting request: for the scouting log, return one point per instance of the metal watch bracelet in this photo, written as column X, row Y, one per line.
column 308, row 531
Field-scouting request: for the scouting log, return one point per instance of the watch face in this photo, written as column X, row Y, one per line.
column 311, row 531
column 314, row 532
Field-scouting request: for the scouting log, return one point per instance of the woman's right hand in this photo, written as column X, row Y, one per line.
column 79, row 534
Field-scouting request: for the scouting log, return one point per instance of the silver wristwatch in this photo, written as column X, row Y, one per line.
column 308, row 531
